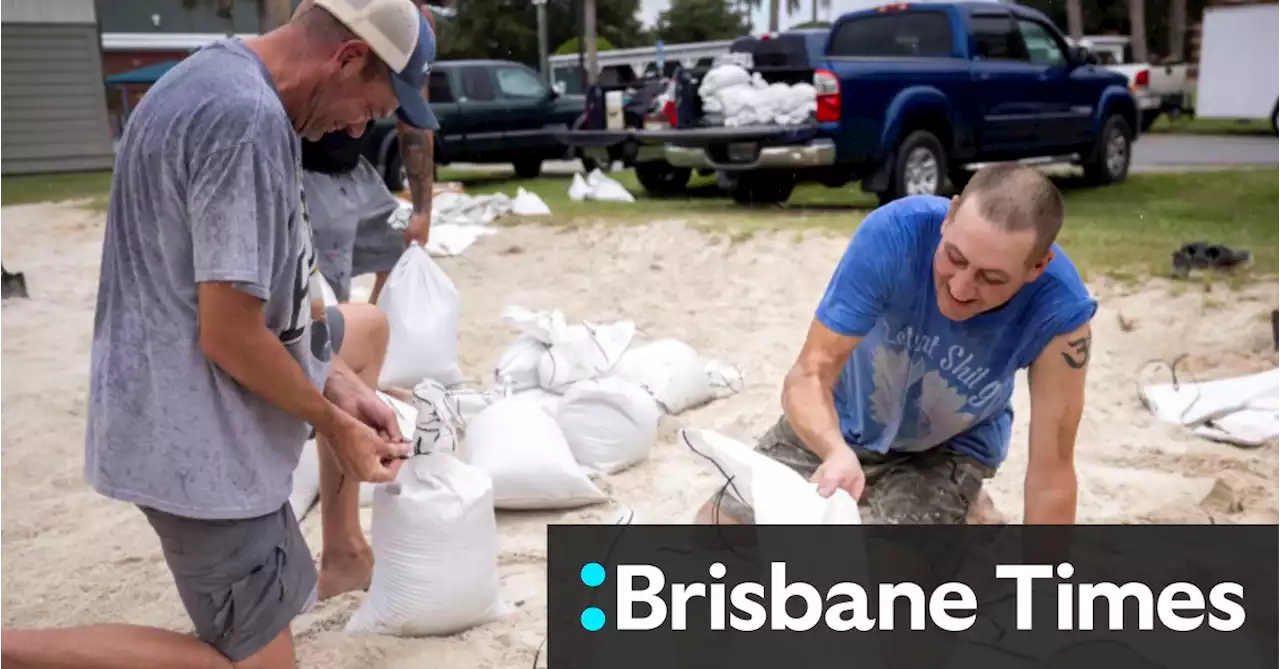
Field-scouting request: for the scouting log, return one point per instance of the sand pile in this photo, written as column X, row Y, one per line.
column 746, row 300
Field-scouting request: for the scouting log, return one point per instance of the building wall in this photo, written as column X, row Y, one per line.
column 51, row 90
column 180, row 16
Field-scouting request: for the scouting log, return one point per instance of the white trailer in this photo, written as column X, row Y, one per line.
column 1239, row 74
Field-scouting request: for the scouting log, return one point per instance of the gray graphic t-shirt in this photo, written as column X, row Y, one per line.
column 206, row 188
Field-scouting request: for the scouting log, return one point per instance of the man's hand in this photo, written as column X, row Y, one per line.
column 840, row 471
column 809, row 403
column 1057, row 384
column 360, row 451
column 419, row 229
column 365, row 435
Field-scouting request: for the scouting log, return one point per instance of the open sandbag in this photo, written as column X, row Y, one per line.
column 435, row 547
column 422, row 309
column 777, row 494
column 523, row 450
column 609, row 423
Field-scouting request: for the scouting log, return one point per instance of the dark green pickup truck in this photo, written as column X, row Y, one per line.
column 490, row 111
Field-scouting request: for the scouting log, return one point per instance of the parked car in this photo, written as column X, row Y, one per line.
column 490, row 111
column 1238, row 76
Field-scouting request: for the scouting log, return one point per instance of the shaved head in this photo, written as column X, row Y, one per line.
column 1016, row 198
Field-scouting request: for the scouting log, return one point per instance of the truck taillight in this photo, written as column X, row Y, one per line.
column 1143, row 79
column 828, row 87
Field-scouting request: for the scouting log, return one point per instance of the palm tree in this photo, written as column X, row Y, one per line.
column 1138, row 30
column 1075, row 20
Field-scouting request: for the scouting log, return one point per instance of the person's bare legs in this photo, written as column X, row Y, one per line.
column 346, row 560
column 379, row 280
column 128, row 647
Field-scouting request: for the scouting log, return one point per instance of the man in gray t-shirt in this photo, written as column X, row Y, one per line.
column 207, row 370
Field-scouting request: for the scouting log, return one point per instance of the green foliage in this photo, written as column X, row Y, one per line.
column 700, row 20
column 571, row 46
column 508, row 29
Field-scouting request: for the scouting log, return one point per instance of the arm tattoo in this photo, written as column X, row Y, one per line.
column 417, row 154
column 1081, row 347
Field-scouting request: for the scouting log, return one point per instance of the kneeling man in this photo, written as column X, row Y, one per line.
column 901, row 394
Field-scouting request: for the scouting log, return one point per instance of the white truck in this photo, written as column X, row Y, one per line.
column 1159, row 88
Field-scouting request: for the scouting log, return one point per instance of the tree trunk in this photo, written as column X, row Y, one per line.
column 589, row 42
column 1075, row 20
column 275, row 13
column 815, row 12
column 1177, row 30
column 774, row 7
column 1138, row 30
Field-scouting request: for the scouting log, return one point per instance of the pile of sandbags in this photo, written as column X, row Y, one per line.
column 739, row 98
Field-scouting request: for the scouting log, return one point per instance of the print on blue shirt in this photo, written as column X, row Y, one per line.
column 919, row 380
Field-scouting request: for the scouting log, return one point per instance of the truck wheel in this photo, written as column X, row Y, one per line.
column 528, row 169
column 1110, row 160
column 754, row 188
column 660, row 179
column 919, row 167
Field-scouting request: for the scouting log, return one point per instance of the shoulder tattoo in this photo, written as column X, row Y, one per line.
column 1080, row 347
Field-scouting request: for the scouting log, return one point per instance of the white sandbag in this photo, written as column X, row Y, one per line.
column 605, row 189
column 522, row 449
column 421, row 304
column 610, row 423
column 438, row 421
column 671, row 371
column 435, row 547
column 529, row 204
column 545, row 399
column 583, row 351
column 518, row 367
column 777, row 494
column 306, row 481
column 578, row 188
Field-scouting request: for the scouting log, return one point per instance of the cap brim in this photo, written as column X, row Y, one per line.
column 414, row 108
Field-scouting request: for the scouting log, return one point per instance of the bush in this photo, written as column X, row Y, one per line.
column 571, row 46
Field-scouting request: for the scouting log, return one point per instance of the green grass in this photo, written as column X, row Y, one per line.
column 32, row 188
column 1210, row 126
column 1127, row 230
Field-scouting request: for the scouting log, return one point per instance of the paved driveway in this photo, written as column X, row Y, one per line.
column 1170, row 151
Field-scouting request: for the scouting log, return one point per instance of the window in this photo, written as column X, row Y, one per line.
column 515, row 82
column 994, row 38
column 477, row 86
column 920, row 34
column 1042, row 46
column 438, row 88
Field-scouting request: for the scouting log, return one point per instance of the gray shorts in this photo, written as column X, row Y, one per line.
column 241, row 581
column 349, row 214
column 931, row 487
column 337, row 326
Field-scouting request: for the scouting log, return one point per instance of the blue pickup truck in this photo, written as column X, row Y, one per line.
column 911, row 96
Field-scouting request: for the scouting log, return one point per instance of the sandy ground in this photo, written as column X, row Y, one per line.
column 73, row 557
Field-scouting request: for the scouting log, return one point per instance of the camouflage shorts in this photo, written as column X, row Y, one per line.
column 933, row 487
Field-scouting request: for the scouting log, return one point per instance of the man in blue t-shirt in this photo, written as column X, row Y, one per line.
column 901, row 393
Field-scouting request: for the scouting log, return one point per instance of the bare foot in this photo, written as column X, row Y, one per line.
column 350, row 571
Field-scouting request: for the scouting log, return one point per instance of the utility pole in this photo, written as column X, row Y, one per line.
column 545, row 69
column 589, row 27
